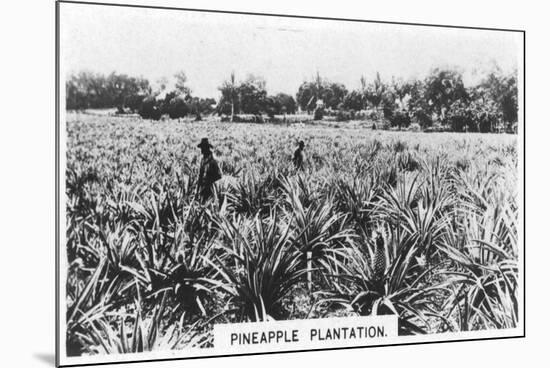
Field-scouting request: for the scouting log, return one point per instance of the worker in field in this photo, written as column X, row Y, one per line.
column 209, row 171
column 298, row 159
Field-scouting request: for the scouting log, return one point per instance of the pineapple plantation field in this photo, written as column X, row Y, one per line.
column 422, row 225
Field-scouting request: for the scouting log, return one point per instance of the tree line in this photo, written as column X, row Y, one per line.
column 439, row 101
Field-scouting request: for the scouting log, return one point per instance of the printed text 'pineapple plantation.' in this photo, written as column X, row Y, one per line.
column 304, row 334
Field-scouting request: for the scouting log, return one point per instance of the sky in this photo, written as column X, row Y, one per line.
column 155, row 43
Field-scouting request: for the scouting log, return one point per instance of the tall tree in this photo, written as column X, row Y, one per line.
column 442, row 88
column 502, row 89
column 279, row 104
column 286, row 102
column 229, row 100
column 94, row 90
column 248, row 97
column 354, row 101
column 375, row 92
column 309, row 92
column 252, row 95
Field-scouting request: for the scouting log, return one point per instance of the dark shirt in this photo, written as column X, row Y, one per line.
column 209, row 173
column 299, row 158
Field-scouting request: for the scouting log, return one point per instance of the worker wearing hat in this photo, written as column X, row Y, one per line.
column 209, row 171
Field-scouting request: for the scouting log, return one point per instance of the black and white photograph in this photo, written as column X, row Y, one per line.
column 233, row 183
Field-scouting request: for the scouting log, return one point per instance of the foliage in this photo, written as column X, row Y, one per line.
column 441, row 99
column 93, row 90
column 267, row 265
column 485, row 281
column 444, row 87
column 420, row 117
column 382, row 277
column 345, row 115
column 229, row 100
column 279, row 104
column 318, row 113
column 503, row 90
column 398, row 118
column 355, row 100
column 248, row 97
column 105, row 337
column 252, row 95
column 472, row 116
column 201, row 106
column 176, row 106
column 375, row 92
column 424, row 227
column 332, row 94
column 150, row 108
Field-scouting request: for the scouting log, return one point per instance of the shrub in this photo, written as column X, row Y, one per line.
column 150, row 108
column 422, row 118
column 316, row 229
column 460, row 118
column 474, row 116
column 318, row 113
column 268, row 266
column 177, row 108
column 487, row 121
column 343, row 115
column 415, row 127
column 382, row 278
column 139, row 332
column 383, row 124
column 133, row 102
column 387, row 112
column 512, row 128
column 400, row 118
column 373, row 115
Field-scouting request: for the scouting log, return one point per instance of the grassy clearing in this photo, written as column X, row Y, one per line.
column 417, row 224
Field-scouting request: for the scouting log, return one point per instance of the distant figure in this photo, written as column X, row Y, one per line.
column 209, row 172
column 299, row 156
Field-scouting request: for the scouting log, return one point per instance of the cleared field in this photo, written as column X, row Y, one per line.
column 423, row 225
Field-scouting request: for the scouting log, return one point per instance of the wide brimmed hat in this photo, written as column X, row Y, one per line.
column 204, row 143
